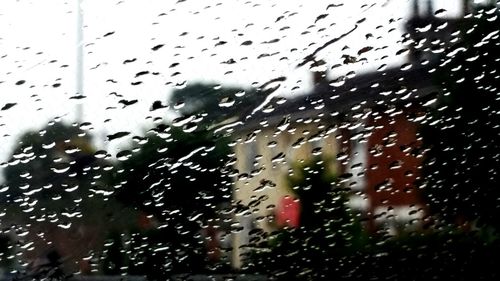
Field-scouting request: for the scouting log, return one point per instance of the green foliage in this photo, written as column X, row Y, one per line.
column 55, row 162
column 329, row 231
column 213, row 103
column 461, row 170
column 160, row 178
column 178, row 176
column 114, row 259
column 439, row 255
column 6, row 250
column 53, row 178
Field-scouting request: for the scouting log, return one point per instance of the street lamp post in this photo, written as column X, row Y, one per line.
column 79, row 60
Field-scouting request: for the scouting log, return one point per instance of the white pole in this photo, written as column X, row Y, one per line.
column 79, row 60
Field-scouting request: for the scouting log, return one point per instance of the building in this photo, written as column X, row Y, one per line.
column 365, row 125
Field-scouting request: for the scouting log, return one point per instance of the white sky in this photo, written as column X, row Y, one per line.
column 49, row 28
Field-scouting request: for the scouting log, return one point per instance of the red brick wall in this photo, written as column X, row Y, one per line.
column 393, row 163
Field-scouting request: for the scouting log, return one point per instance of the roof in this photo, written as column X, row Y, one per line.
column 392, row 87
column 337, row 99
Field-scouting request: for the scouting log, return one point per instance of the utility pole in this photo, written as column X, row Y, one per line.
column 79, row 60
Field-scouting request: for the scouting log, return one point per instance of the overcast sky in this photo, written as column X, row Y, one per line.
column 38, row 44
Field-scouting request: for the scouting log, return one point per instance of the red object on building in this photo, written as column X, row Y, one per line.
column 288, row 212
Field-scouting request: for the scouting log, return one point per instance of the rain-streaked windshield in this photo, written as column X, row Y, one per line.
column 250, row 140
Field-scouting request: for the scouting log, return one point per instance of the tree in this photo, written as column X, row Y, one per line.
column 178, row 174
column 213, row 103
column 184, row 167
column 463, row 139
column 54, row 170
column 329, row 231
column 178, row 179
column 59, row 193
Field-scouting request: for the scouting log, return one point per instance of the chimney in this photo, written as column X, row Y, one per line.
column 319, row 73
column 465, row 7
column 415, row 9
column 319, row 77
column 430, row 9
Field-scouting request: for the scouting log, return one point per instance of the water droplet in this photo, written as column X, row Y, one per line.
column 440, row 12
column 124, row 155
column 8, row 106
column 100, row 154
column 61, row 168
column 72, row 150
column 117, row 135
column 189, row 127
column 49, row 145
column 71, row 215
column 71, row 189
column 226, row 102
column 338, row 82
column 179, row 105
column 157, row 47
column 64, row 225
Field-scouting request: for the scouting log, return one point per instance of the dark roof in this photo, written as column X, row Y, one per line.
column 392, row 87
column 387, row 88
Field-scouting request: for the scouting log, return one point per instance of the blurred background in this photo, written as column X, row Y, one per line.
column 249, row 140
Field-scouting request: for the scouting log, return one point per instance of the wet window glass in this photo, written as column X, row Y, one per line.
column 250, row 140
